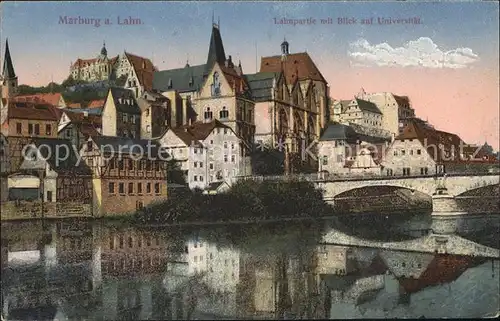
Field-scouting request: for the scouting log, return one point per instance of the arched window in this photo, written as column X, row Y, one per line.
column 208, row 114
column 224, row 113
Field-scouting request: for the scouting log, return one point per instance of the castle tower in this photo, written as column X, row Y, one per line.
column 8, row 78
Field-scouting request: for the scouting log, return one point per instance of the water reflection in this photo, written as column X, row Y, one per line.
column 93, row 270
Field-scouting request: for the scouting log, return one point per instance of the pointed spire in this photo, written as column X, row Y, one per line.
column 8, row 69
column 216, row 49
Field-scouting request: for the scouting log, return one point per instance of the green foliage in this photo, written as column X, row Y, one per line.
column 174, row 173
column 245, row 201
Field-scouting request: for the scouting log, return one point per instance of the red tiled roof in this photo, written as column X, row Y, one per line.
column 144, row 70
column 442, row 269
column 432, row 139
column 96, row 103
column 49, row 98
column 201, row 130
column 235, row 81
column 74, row 105
column 297, row 66
column 88, row 129
column 185, row 136
column 32, row 111
column 77, row 117
column 402, row 100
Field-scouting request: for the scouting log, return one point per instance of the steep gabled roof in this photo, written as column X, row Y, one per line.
column 365, row 105
column 261, row 85
column 49, row 98
column 143, row 68
column 201, row 130
column 296, row 66
column 8, row 68
column 125, row 101
column 215, row 50
column 32, row 111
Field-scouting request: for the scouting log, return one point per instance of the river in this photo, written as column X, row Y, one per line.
column 105, row 270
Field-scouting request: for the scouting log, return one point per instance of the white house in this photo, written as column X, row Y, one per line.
column 209, row 151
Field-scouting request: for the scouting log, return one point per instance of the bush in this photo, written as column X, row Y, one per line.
column 245, row 201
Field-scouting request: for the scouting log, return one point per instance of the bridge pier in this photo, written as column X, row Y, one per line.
column 445, row 210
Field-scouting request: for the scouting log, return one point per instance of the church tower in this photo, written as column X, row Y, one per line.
column 216, row 51
column 8, row 78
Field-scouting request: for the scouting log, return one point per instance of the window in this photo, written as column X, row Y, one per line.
column 232, row 145
column 130, row 188
column 112, row 242
column 225, row 158
column 411, row 151
column 48, row 129
column 195, row 164
column 225, row 144
column 201, row 178
column 125, row 118
column 211, row 165
column 395, row 153
column 37, row 129
column 148, row 165
column 19, row 128
column 120, row 164
column 148, row 188
column 130, row 164
column 403, row 152
column 139, row 205
column 90, row 146
column 233, row 159
column 211, row 142
column 121, row 188
column 130, row 242
column 120, row 241
column 157, row 188
column 49, row 196
column 111, row 188
column 406, row 171
column 225, row 131
column 340, row 158
column 224, row 113
column 195, row 259
column 139, row 188
column 30, row 129
column 148, row 129
column 147, row 112
column 419, row 152
column 201, row 164
column 208, row 114
column 424, row 171
column 195, row 178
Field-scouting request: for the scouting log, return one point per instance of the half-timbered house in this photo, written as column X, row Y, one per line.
column 127, row 173
column 62, row 176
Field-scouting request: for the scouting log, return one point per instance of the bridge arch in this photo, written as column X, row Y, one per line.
column 459, row 185
column 425, row 186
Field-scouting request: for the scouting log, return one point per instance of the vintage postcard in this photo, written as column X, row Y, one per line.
column 166, row 160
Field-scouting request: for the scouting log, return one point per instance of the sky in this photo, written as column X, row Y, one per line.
column 444, row 56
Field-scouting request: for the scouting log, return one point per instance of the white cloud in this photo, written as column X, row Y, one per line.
column 422, row 52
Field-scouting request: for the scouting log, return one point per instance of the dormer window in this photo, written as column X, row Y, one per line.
column 191, row 81
column 170, row 83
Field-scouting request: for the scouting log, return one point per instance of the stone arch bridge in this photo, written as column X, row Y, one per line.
column 455, row 185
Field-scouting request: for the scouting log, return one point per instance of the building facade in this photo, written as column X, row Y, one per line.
column 395, row 109
column 121, row 116
column 128, row 174
column 208, row 151
column 156, row 113
column 78, row 127
column 343, row 150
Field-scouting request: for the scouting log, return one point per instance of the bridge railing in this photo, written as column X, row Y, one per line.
column 326, row 177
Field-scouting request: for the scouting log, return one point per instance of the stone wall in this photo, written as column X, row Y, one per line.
column 24, row 210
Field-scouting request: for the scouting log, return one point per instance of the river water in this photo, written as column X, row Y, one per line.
column 103, row 270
